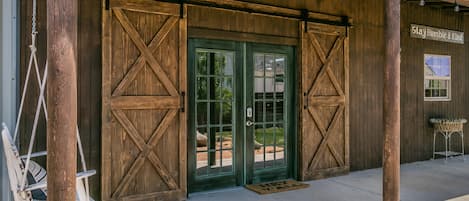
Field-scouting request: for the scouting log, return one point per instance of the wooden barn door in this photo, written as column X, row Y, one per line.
column 324, row 141
column 144, row 84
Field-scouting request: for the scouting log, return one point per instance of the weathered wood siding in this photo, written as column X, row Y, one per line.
column 366, row 72
column 89, row 81
column 416, row 132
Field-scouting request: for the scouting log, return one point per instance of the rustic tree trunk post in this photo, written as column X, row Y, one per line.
column 62, row 99
column 391, row 149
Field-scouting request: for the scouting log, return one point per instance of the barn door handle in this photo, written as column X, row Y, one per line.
column 183, row 101
column 306, row 100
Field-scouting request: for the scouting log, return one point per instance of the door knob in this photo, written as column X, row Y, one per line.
column 249, row 123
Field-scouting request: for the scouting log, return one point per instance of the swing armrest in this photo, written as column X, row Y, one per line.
column 43, row 184
column 86, row 174
column 34, row 155
column 36, row 186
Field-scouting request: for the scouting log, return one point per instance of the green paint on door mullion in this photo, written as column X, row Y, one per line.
column 273, row 172
column 215, row 176
column 290, row 113
column 249, row 102
column 275, row 111
column 243, row 96
column 264, row 110
column 209, row 115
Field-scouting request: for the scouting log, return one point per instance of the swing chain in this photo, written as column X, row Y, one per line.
column 34, row 27
column 33, row 20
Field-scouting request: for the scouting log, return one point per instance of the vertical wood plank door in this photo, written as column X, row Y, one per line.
column 144, row 84
column 324, row 140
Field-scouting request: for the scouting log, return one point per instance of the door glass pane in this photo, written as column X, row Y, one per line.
column 201, row 64
column 259, row 111
column 227, row 113
column 269, row 114
column 214, row 112
column 269, row 135
column 259, row 146
column 280, row 140
column 269, row 67
column 201, row 115
column 259, row 65
column 280, row 73
column 202, row 85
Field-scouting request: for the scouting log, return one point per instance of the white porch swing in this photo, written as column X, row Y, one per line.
column 27, row 178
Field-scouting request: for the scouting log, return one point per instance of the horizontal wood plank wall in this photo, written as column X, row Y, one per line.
column 417, row 137
column 89, row 81
column 233, row 25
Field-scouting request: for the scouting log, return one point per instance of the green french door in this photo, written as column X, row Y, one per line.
column 241, row 119
column 270, row 126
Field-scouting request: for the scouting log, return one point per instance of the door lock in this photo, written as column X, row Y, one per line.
column 249, row 112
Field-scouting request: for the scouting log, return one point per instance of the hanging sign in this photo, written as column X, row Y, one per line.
column 431, row 33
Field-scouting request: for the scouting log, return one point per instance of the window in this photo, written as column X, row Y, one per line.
column 437, row 77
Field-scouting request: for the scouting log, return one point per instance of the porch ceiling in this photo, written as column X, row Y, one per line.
column 444, row 4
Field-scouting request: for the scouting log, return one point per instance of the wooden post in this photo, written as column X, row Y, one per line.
column 62, row 99
column 391, row 149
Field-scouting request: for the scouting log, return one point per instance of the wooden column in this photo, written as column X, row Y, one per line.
column 62, row 99
column 391, row 149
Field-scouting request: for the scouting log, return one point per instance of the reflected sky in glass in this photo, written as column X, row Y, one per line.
column 436, row 65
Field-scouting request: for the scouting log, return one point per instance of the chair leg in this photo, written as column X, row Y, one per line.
column 434, row 138
column 462, row 145
column 446, row 146
column 449, row 144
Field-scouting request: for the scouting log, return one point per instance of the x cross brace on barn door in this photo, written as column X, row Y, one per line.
column 146, row 53
column 328, row 100
column 146, row 149
column 170, row 103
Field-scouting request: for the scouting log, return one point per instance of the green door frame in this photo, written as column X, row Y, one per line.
column 243, row 172
column 235, row 179
column 271, row 174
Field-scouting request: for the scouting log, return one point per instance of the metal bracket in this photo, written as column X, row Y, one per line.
column 183, row 101
column 304, row 16
column 306, row 101
column 346, row 21
column 181, row 8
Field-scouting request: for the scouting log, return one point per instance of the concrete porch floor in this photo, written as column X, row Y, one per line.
column 432, row 180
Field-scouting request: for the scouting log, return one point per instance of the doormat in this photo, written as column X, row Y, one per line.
column 276, row 186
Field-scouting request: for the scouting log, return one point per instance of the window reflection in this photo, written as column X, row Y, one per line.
column 214, row 112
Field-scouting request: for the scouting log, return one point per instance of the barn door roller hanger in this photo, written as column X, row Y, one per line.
column 302, row 15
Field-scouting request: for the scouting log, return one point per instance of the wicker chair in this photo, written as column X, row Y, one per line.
column 448, row 127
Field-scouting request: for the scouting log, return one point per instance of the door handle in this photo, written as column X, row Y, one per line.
column 249, row 123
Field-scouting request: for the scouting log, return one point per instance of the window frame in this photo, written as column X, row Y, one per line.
column 447, row 78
